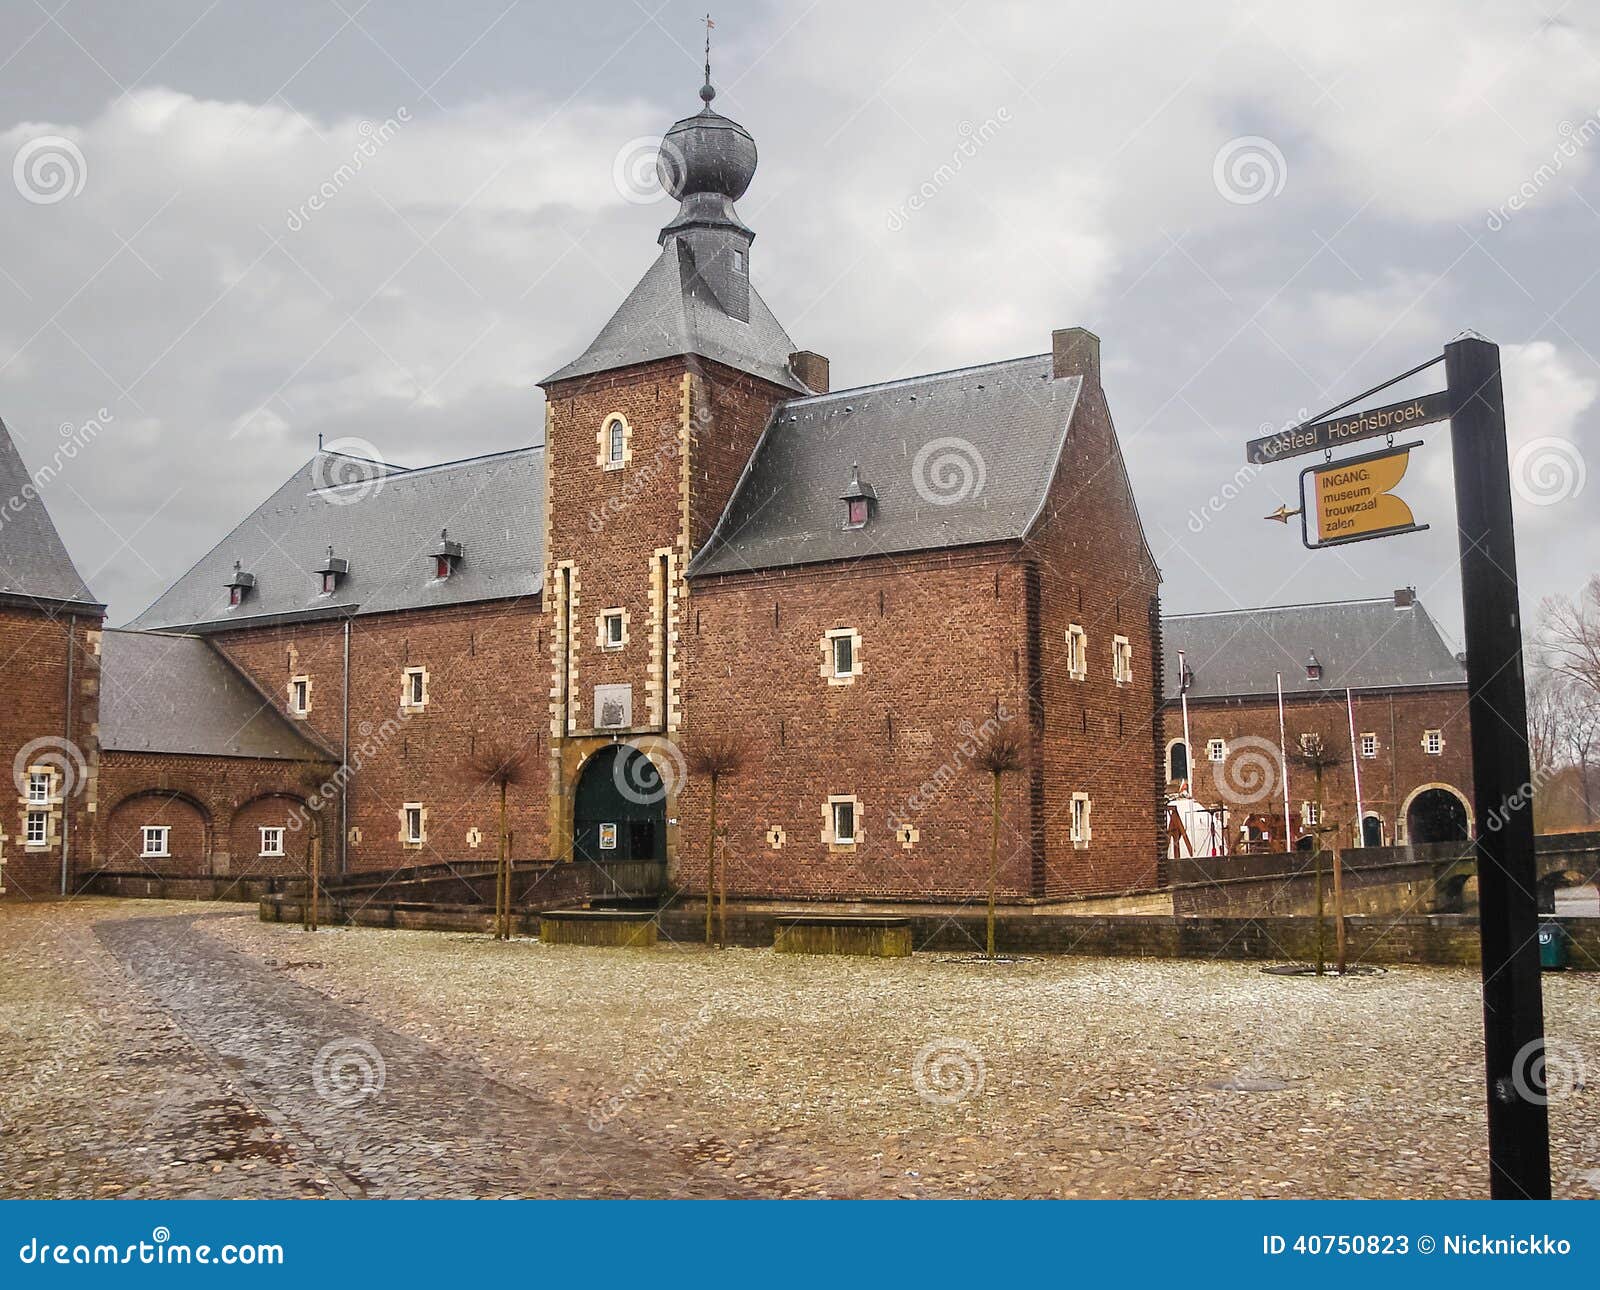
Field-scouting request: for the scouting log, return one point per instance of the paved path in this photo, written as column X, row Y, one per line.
column 371, row 1111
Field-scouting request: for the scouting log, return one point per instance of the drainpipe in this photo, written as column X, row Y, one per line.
column 66, row 805
column 344, row 760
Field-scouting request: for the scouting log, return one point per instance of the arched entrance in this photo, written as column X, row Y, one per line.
column 1436, row 815
column 620, row 808
column 1372, row 831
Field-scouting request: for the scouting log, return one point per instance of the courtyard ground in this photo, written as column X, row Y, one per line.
column 154, row 1049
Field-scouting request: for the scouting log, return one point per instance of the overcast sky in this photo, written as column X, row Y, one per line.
column 1262, row 209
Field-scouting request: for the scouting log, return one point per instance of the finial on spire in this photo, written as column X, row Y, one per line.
column 706, row 92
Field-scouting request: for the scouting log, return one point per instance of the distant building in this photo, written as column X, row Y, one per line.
column 1412, row 748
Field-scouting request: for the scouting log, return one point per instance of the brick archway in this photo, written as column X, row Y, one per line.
column 1405, row 820
column 273, row 809
column 191, row 849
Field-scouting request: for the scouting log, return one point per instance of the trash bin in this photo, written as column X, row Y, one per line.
column 1554, row 947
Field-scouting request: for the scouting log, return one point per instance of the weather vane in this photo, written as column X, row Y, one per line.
column 709, row 27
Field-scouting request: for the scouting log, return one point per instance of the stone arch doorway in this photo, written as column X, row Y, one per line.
column 1437, row 813
column 620, row 807
column 1371, row 830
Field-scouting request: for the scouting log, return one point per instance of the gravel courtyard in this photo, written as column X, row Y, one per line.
column 150, row 1048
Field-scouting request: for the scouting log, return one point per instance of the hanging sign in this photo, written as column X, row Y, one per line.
column 1349, row 427
column 1353, row 501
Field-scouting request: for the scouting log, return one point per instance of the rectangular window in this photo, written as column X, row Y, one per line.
column 1121, row 660
column 416, row 684
column 38, row 786
column 155, row 840
column 300, row 696
column 1216, row 750
column 612, row 629
column 844, row 822
column 272, row 842
column 330, row 582
column 1080, row 819
column 1313, row 815
column 1077, row 652
column 413, row 824
column 843, row 655
column 1369, row 745
column 38, row 830
column 1433, row 741
column 738, row 260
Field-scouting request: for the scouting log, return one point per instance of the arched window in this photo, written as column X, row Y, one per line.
column 1177, row 760
column 614, row 447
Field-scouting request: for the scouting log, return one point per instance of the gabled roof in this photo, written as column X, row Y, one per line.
column 177, row 694
column 385, row 524
column 673, row 311
column 955, row 458
column 33, row 560
column 1361, row 644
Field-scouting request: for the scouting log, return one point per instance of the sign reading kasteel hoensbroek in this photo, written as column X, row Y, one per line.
column 1319, row 436
column 1353, row 500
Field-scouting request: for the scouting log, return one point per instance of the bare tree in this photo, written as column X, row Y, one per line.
column 502, row 767
column 1569, row 630
column 717, row 756
column 1315, row 754
column 1001, row 756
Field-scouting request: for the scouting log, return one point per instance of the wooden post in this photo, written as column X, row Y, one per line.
column 711, row 863
column 316, row 876
column 1338, row 907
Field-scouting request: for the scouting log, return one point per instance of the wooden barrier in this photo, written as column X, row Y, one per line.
column 883, row 938
column 633, row 929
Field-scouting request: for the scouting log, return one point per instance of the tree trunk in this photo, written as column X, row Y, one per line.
column 1338, row 910
column 316, row 876
column 994, row 863
column 711, row 862
column 502, row 878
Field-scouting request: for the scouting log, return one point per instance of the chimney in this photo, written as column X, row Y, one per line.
column 1405, row 597
column 1075, row 351
column 811, row 369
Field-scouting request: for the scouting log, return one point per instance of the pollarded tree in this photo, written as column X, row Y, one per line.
column 1001, row 756
column 500, row 766
column 718, row 756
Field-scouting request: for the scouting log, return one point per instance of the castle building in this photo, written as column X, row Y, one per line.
column 1411, row 745
column 841, row 600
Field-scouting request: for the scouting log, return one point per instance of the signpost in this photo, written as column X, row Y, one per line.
column 1473, row 402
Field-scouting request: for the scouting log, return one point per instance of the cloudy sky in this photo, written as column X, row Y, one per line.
column 1262, row 209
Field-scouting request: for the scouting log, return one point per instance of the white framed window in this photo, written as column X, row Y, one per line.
column 844, row 661
column 841, row 822
column 1216, row 750
column 1433, row 742
column 157, row 838
column 1311, row 814
column 1121, row 660
column 616, row 441
column 272, row 841
column 414, row 688
column 613, row 630
column 841, row 655
column 37, row 831
column 1369, row 745
column 300, row 695
column 412, row 819
column 1077, row 652
column 844, row 822
column 1081, row 830
column 38, row 786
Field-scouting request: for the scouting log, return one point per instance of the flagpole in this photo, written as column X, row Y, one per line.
column 1283, row 766
column 1188, row 748
column 1355, row 765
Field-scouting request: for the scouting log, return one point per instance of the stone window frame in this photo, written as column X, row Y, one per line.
column 407, row 689
column 776, row 837
column 1369, row 736
column 615, row 614
column 1188, row 767
column 145, row 852
column 294, row 683
column 1077, row 652
column 1080, row 825
column 29, row 842
column 1433, row 742
column 828, row 671
column 1216, row 751
column 908, row 835
column 281, row 832
column 46, row 809
column 420, row 840
column 1122, row 660
column 829, row 837
column 603, row 457
column 1310, row 815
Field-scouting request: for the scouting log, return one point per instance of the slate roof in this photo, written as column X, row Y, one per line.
column 177, row 694
column 33, row 560
column 673, row 311
column 1362, row 644
column 955, row 458
column 385, row 522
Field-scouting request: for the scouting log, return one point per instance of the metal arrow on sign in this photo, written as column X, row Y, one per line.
column 1282, row 514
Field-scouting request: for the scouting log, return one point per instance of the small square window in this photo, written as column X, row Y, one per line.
column 414, row 825
column 844, row 823
column 156, row 837
column 38, row 786
column 1216, row 750
column 272, row 842
column 1369, row 745
column 38, row 828
column 843, row 655
column 1433, row 742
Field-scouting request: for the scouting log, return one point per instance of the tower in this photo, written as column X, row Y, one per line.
column 646, row 434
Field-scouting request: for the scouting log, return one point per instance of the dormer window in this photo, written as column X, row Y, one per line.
column 239, row 586
column 738, row 260
column 446, row 555
column 333, row 571
column 1313, row 667
column 860, row 501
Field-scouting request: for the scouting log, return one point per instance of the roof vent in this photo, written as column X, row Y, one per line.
column 334, row 569
column 446, row 555
column 1405, row 597
column 1313, row 667
column 860, row 501
column 240, row 585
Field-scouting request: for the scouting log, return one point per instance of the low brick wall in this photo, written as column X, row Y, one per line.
column 882, row 938
column 143, row 886
column 605, row 928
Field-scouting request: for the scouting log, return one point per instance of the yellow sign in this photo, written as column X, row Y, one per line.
column 1353, row 499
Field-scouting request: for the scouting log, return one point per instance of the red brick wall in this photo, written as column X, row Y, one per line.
column 35, row 646
column 1398, row 719
column 244, row 836
column 189, row 842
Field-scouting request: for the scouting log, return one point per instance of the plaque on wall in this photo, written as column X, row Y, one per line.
column 613, row 707
column 608, row 837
